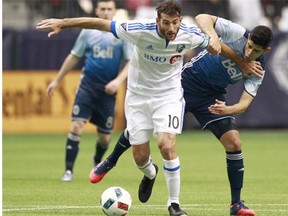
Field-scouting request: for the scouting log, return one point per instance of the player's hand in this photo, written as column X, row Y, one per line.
column 252, row 68
column 50, row 24
column 219, row 108
column 50, row 89
column 112, row 87
column 214, row 46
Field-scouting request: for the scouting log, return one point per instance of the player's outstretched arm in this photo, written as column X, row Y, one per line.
column 57, row 25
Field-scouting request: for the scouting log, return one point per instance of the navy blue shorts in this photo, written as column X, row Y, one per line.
column 199, row 95
column 98, row 109
column 198, row 106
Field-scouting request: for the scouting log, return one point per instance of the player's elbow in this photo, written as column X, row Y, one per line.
column 206, row 17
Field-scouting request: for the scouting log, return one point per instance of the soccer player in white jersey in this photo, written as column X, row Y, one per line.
column 100, row 80
column 204, row 80
column 154, row 100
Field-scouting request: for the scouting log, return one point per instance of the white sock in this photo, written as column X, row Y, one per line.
column 172, row 176
column 148, row 169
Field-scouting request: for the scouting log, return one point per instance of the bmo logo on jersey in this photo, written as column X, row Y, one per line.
column 159, row 59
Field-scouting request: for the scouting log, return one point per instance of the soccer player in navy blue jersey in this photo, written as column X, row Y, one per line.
column 204, row 79
column 100, row 80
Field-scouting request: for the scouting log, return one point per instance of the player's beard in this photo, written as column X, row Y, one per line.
column 169, row 35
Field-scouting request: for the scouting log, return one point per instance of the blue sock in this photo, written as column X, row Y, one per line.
column 235, row 169
column 121, row 146
column 72, row 148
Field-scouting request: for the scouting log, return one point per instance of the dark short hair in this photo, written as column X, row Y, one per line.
column 262, row 36
column 105, row 1
column 170, row 7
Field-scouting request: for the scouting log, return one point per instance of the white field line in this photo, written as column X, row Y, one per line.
column 187, row 206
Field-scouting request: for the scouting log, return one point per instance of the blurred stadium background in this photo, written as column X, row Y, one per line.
column 31, row 60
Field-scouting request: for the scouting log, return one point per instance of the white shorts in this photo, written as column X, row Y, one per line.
column 147, row 114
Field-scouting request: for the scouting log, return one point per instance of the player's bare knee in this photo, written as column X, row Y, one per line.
column 165, row 148
column 140, row 160
column 140, row 155
column 236, row 144
column 166, row 141
column 77, row 127
column 233, row 144
column 104, row 139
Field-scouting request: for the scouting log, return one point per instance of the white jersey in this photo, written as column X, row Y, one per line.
column 156, row 63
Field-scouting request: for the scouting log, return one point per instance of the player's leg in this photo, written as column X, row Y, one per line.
column 141, row 155
column 103, row 117
column 72, row 148
column 140, row 126
column 99, row 171
column 226, row 131
column 121, row 146
column 168, row 120
column 80, row 113
column 101, row 146
column 166, row 144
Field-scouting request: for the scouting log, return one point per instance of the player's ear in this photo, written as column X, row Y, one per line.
column 181, row 18
column 267, row 49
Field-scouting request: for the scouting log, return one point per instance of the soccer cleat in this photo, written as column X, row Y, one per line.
column 175, row 210
column 240, row 209
column 99, row 171
column 68, row 176
column 146, row 186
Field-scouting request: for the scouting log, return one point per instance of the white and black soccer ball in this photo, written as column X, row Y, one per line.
column 115, row 201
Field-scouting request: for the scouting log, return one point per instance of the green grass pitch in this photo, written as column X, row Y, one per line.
column 34, row 164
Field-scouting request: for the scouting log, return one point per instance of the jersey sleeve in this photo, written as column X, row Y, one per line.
column 228, row 31
column 131, row 30
column 204, row 41
column 196, row 36
column 252, row 84
column 80, row 45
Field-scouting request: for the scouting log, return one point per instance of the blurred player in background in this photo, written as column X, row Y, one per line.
column 204, row 79
column 100, row 80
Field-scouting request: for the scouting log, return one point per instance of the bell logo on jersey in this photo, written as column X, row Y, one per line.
column 102, row 53
column 229, row 65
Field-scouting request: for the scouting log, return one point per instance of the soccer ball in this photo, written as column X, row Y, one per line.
column 115, row 201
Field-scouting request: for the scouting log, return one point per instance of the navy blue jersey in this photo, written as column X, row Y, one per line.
column 206, row 76
column 103, row 56
column 214, row 73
